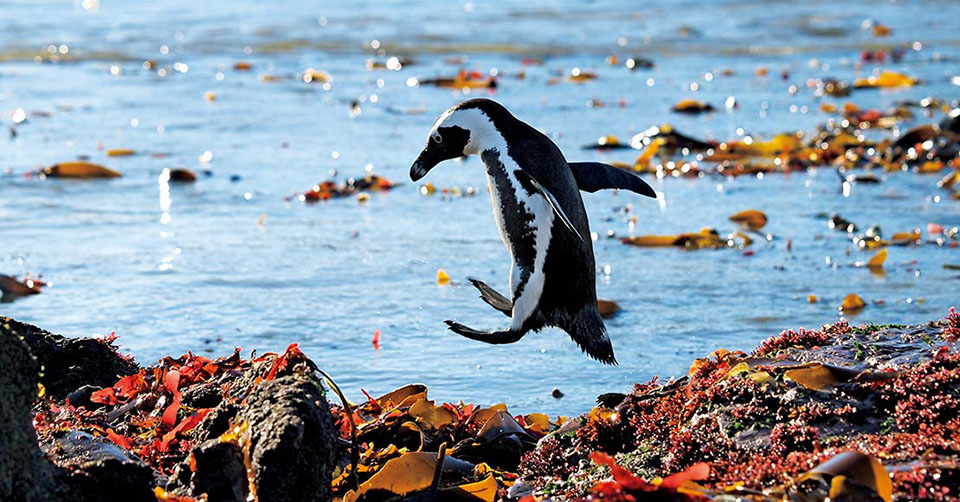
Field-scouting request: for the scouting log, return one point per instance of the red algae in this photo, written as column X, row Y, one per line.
column 737, row 427
column 801, row 338
column 760, row 431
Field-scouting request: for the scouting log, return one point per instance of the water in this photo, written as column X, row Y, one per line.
column 177, row 268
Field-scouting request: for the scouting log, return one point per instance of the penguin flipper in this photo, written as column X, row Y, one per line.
column 593, row 176
column 492, row 337
column 493, row 298
column 530, row 182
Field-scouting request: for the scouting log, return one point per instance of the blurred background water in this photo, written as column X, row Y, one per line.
column 233, row 260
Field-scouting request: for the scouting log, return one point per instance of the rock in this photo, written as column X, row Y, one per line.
column 24, row 474
column 205, row 395
column 292, row 440
column 218, row 471
column 69, row 363
column 100, row 470
column 289, row 439
column 81, row 397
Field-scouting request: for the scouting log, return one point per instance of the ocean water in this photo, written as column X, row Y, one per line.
column 236, row 260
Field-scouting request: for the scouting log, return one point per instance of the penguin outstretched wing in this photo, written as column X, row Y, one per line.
column 593, row 176
column 532, row 184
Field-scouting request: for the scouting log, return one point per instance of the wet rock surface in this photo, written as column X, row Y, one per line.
column 24, row 473
column 69, row 363
column 101, row 470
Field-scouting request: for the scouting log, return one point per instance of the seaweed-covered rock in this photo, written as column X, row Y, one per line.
column 69, row 363
column 24, row 474
column 102, row 471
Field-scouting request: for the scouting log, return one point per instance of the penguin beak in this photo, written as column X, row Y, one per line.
column 426, row 161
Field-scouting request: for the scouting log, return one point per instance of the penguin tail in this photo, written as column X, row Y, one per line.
column 588, row 331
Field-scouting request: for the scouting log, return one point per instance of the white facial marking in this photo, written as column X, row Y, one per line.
column 472, row 120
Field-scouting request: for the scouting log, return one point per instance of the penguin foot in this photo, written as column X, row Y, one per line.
column 493, row 298
column 492, row 337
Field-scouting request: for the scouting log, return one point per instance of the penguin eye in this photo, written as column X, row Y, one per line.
column 437, row 138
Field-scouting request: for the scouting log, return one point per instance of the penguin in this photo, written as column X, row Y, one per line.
column 539, row 212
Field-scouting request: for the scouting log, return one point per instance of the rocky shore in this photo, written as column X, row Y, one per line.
column 839, row 413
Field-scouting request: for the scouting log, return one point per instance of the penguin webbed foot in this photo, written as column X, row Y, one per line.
column 492, row 297
column 492, row 337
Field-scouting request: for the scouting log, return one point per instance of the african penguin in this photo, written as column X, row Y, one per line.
column 536, row 201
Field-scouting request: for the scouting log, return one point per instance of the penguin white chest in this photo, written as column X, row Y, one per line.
column 525, row 221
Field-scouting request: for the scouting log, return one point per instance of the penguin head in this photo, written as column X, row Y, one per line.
column 459, row 131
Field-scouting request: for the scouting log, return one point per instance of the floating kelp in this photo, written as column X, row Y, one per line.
column 692, row 106
column 751, row 218
column 671, row 140
column 12, row 288
column 393, row 63
column 608, row 308
column 885, row 79
column 448, row 192
column 607, row 142
column 839, row 143
column 182, row 175
column 828, row 87
column 78, row 170
column 852, row 304
column 464, row 80
column 312, row 75
column 577, row 75
column 706, row 238
column 332, row 190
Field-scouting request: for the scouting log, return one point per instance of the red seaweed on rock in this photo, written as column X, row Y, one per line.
column 868, row 413
column 952, row 330
column 762, row 423
column 801, row 338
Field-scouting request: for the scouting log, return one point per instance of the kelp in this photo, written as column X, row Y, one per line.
column 12, row 288
column 463, row 80
column 810, row 415
column 330, row 189
column 78, row 170
column 867, row 413
column 752, row 220
column 840, row 143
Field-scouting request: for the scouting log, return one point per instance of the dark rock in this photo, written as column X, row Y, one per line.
column 292, row 440
column 68, row 363
column 218, row 421
column 100, row 470
column 205, row 395
column 218, row 471
column 80, row 398
column 25, row 475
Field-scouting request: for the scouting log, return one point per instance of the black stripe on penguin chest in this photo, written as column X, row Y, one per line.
column 518, row 220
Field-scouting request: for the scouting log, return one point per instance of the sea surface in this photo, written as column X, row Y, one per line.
column 236, row 259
